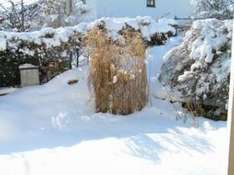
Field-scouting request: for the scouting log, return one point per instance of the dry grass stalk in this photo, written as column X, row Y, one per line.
column 117, row 71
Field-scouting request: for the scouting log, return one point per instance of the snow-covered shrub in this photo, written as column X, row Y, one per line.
column 214, row 8
column 200, row 67
column 117, row 70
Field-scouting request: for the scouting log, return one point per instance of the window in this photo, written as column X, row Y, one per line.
column 150, row 3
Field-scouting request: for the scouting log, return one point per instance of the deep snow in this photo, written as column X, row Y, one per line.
column 52, row 129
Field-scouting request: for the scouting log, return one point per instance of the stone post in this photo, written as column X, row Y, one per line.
column 29, row 75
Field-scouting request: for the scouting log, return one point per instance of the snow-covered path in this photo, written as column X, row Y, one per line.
column 155, row 61
column 52, row 129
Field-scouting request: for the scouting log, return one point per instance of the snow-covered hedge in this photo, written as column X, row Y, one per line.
column 200, row 67
column 50, row 38
column 64, row 43
column 36, row 48
column 153, row 32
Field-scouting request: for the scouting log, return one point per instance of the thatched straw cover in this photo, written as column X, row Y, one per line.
column 117, row 71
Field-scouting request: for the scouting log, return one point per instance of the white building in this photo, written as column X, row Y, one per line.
column 132, row 8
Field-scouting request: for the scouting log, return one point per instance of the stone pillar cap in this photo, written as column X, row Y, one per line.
column 27, row 66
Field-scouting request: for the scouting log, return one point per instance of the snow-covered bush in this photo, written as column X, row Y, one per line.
column 199, row 69
column 220, row 9
column 118, row 70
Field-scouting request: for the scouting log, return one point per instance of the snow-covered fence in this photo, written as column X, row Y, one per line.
column 63, row 44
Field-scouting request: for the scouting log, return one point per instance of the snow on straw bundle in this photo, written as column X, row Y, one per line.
column 117, row 71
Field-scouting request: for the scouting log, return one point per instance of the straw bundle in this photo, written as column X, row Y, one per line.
column 117, row 71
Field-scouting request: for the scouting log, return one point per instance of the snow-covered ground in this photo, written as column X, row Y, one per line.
column 52, row 129
column 155, row 61
column 4, row 91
